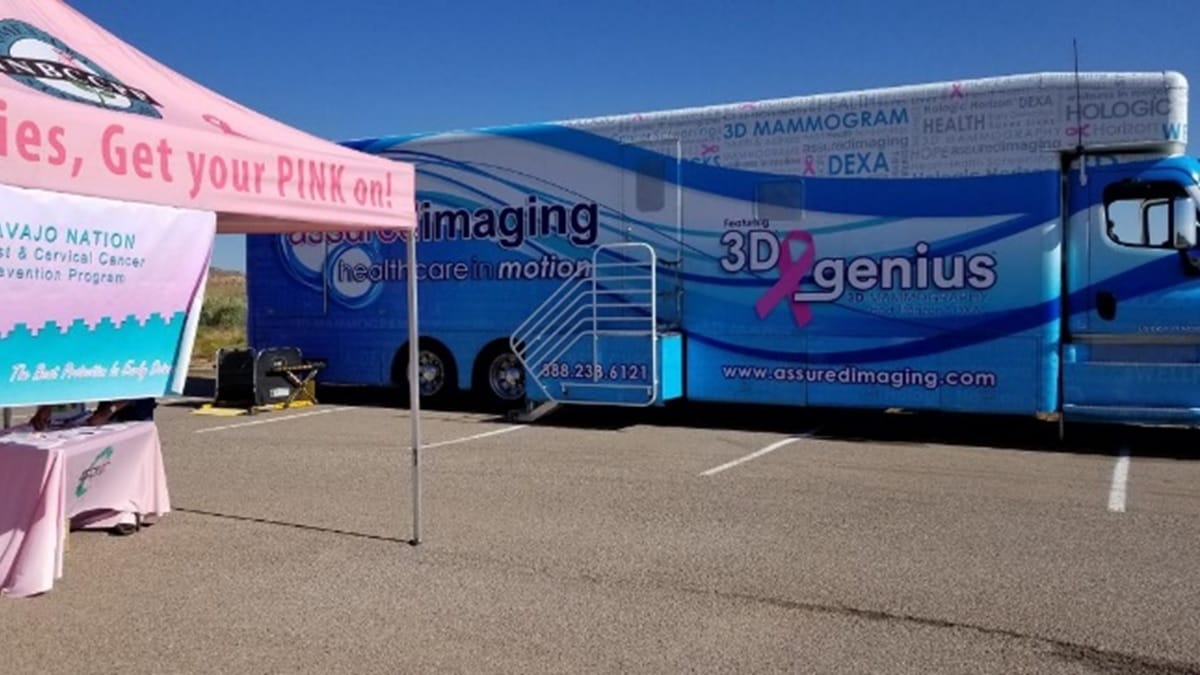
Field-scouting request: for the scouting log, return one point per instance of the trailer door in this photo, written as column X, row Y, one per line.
column 652, row 206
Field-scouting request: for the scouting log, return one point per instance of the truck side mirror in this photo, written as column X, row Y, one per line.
column 1184, row 217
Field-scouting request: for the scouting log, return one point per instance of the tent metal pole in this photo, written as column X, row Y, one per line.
column 414, row 386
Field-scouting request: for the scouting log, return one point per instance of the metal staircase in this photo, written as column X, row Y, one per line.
column 596, row 339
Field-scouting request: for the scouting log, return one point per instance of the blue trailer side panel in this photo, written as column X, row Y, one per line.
column 918, row 293
column 925, row 293
column 896, row 248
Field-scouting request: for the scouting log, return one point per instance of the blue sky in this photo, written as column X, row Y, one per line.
column 355, row 68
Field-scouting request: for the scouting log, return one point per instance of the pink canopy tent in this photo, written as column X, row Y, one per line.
column 84, row 114
column 88, row 114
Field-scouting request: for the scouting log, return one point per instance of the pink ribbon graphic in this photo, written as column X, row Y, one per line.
column 221, row 124
column 709, row 149
column 810, row 165
column 1082, row 130
column 65, row 58
column 956, row 90
column 791, row 273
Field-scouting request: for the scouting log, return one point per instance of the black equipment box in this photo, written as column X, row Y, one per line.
column 247, row 378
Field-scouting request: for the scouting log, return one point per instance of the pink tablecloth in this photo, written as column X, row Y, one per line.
column 93, row 476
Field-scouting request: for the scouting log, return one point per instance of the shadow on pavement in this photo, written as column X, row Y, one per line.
column 879, row 427
column 291, row 524
column 903, row 428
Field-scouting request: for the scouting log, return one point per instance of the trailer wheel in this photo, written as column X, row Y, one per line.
column 499, row 377
column 436, row 374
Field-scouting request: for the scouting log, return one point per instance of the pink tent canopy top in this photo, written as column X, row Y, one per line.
column 84, row 113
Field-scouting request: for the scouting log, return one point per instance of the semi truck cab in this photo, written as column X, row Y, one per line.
column 1131, row 340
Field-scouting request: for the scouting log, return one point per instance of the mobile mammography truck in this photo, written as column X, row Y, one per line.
column 1015, row 245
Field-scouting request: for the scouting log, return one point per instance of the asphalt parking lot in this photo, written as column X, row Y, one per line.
column 700, row 539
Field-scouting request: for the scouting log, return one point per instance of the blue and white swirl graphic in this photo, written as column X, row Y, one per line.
column 347, row 288
column 304, row 260
column 338, row 268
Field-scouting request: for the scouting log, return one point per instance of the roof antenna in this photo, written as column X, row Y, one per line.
column 1079, row 118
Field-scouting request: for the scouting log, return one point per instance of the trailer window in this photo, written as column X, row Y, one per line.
column 651, row 184
column 780, row 200
column 1140, row 214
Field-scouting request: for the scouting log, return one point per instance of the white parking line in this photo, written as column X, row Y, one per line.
column 758, row 453
column 464, row 439
column 272, row 419
column 1116, row 493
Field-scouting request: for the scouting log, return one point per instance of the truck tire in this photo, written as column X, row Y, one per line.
column 436, row 371
column 499, row 378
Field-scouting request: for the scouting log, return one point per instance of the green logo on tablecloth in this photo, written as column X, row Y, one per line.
column 97, row 467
